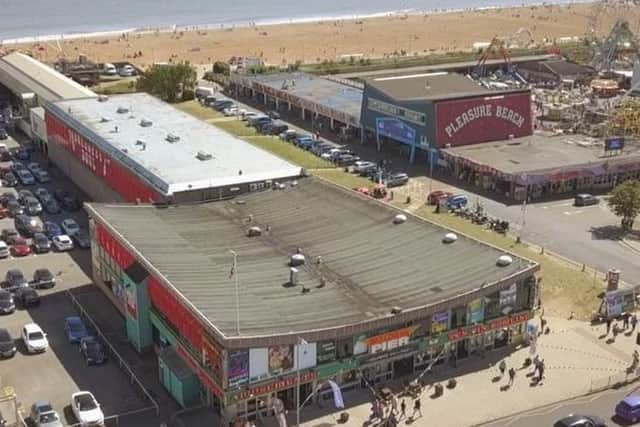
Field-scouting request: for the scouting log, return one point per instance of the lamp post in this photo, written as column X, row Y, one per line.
column 234, row 273
column 300, row 342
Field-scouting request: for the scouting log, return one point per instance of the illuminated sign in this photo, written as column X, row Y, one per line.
column 390, row 340
column 275, row 386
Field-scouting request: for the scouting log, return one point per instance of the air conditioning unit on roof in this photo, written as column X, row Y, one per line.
column 203, row 156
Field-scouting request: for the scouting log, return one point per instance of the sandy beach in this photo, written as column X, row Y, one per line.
column 332, row 40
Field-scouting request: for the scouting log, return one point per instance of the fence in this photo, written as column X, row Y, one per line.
column 123, row 365
column 614, row 381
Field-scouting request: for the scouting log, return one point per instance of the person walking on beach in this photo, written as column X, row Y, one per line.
column 502, row 366
column 416, row 408
column 616, row 330
column 403, row 410
column 609, row 325
column 634, row 322
column 512, row 376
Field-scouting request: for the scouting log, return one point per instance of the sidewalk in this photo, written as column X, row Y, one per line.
column 578, row 361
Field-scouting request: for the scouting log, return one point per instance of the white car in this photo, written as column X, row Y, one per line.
column 249, row 115
column 70, row 226
column 231, row 111
column 62, row 242
column 86, row 409
column 35, row 340
column 4, row 249
column 127, row 71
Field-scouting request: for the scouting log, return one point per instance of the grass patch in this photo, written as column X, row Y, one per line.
column 195, row 109
column 237, row 128
column 289, row 152
column 565, row 287
column 116, row 88
column 340, row 177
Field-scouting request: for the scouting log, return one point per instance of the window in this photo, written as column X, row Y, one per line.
column 396, row 111
column 344, row 348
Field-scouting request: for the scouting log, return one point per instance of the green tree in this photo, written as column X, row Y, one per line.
column 625, row 202
column 220, row 67
column 170, row 82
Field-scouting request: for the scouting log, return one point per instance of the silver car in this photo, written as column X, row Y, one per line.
column 43, row 415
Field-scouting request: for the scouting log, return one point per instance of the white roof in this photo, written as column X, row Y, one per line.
column 32, row 327
column 170, row 166
column 39, row 78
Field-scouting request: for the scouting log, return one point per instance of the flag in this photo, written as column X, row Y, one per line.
column 337, row 395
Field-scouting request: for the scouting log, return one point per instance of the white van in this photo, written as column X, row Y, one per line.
column 109, row 69
column 202, row 92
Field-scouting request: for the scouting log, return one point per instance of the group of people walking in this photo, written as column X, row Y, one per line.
column 629, row 321
column 389, row 413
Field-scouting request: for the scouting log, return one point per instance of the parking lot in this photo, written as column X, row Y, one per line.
column 61, row 370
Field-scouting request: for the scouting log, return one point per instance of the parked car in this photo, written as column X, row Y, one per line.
column 397, row 180
column 585, row 200
column 42, row 194
column 20, row 247
column 4, row 249
column 231, row 110
column 14, row 279
column 248, row 115
column 86, row 409
column 27, row 297
column 434, row 197
column 580, row 421
column 5, row 198
column 276, row 128
column 208, row 100
column 43, row 278
column 258, row 118
column 16, row 166
column 33, row 206
column 27, row 226
column 7, row 303
column 74, row 329
column 41, row 243
column 35, row 340
column 25, row 177
column 52, row 207
column 127, row 71
column 81, row 239
column 9, row 180
column 62, row 242
column 15, row 208
column 42, row 176
column 23, row 195
column 221, row 105
column 9, row 235
column 628, row 409
column 7, row 344
column 42, row 413
column 33, row 167
column 22, row 154
column 363, row 166
column 3, row 134
column 60, row 194
column 346, row 159
column 109, row 69
column 288, row 135
column 458, row 201
column 51, row 229
column 71, row 203
column 273, row 114
column 93, row 351
column 70, row 226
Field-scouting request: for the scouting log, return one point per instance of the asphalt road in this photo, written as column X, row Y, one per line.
column 601, row 404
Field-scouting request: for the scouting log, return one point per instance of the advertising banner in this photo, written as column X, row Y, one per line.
column 618, row 302
column 481, row 119
column 326, row 352
column 396, row 130
column 476, row 311
column 238, row 368
column 280, row 359
column 440, row 322
column 508, row 297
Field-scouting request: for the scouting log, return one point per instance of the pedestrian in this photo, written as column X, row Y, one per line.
column 540, row 370
column 416, row 408
column 403, row 409
column 615, row 330
column 543, row 324
column 634, row 322
column 636, row 358
column 608, row 325
column 536, row 365
column 502, row 367
column 625, row 321
column 394, row 405
column 512, row 376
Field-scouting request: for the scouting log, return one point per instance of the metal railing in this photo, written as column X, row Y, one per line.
column 613, row 381
column 122, row 363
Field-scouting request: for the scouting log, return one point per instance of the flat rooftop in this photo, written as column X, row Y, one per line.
column 369, row 265
column 431, row 86
column 539, row 153
column 327, row 93
column 170, row 166
column 39, row 78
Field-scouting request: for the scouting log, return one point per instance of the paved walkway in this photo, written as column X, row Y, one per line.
column 578, row 360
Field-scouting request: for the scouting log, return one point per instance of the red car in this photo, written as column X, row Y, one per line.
column 20, row 247
column 435, row 196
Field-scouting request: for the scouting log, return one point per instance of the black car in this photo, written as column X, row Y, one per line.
column 6, row 197
column 22, row 154
column 14, row 280
column 15, row 208
column 23, row 195
column 81, row 239
column 346, row 159
column 9, row 235
column 7, row 344
column 33, row 206
column 26, row 225
column 3, row 134
column 10, row 179
column 275, row 128
column 7, row 305
column 580, row 421
column 92, row 350
column 52, row 207
column 585, row 200
column 274, row 115
column 41, row 243
column 5, row 155
column 59, row 194
column 27, row 297
column 43, row 278
column 397, row 179
column 71, row 203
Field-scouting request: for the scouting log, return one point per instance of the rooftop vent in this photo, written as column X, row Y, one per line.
column 142, row 144
column 254, row 231
column 122, row 110
column 400, row 219
column 145, row 123
column 296, row 260
column 172, row 138
column 103, row 98
column 449, row 238
column 202, row 155
column 504, row 260
column 104, row 119
column 396, row 310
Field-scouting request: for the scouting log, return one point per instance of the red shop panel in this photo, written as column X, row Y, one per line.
column 116, row 251
column 482, row 119
column 181, row 318
column 118, row 177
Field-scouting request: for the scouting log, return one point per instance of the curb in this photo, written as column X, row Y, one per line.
column 635, row 247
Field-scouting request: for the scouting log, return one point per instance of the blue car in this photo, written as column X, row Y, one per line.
column 51, row 229
column 74, row 329
column 629, row 408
